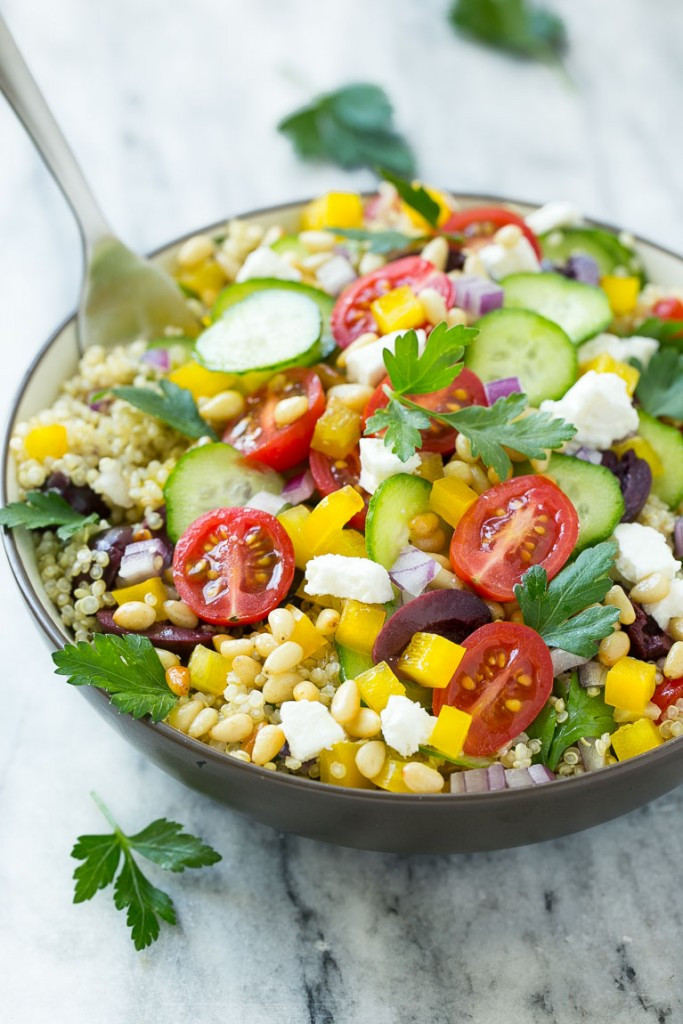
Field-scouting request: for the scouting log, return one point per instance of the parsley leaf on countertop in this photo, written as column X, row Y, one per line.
column 415, row 196
column 351, row 127
column 587, row 717
column 512, row 25
column 163, row 842
column 559, row 611
column 42, row 510
column 660, row 387
column 174, row 406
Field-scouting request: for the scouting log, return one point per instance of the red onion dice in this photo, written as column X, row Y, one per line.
column 299, row 488
column 478, row 295
column 413, row 570
column 501, row 388
column 159, row 357
column 267, row 502
column 142, row 560
column 678, row 537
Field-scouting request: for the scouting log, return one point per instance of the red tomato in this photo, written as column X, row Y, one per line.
column 523, row 522
column 233, row 565
column 669, row 309
column 352, row 315
column 465, row 390
column 503, row 681
column 667, row 693
column 486, row 217
column 254, row 432
column 330, row 474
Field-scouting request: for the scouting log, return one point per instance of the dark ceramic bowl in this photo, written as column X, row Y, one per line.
column 369, row 820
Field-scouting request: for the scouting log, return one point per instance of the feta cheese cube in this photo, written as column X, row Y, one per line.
column 670, row 607
column 621, row 349
column 501, row 260
column 365, row 365
column 265, row 262
column 377, row 463
column 642, row 551
column 599, row 407
column 309, row 728
column 342, row 576
column 335, row 274
column 406, row 724
column 558, row 214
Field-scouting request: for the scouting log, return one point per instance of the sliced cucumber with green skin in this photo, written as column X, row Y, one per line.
column 212, row 476
column 605, row 248
column 352, row 663
column 581, row 310
column 236, row 292
column 595, row 494
column 395, row 502
column 668, row 443
column 518, row 343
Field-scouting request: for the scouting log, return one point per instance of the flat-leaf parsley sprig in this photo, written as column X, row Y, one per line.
column 43, row 510
column 166, row 402
column 164, row 843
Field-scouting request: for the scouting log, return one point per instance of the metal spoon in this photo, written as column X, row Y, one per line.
column 123, row 296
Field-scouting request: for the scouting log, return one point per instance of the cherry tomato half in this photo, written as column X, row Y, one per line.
column 331, row 474
column 352, row 315
column 485, row 219
column 503, row 681
column 670, row 309
column 233, row 565
column 465, row 390
column 667, row 693
column 254, row 432
column 523, row 522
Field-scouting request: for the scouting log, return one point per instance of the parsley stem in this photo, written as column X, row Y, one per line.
column 107, row 813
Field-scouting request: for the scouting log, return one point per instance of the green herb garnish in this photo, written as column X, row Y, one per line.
column 515, row 26
column 43, row 509
column 172, row 405
column 415, row 196
column 670, row 332
column 660, row 387
column 587, row 717
column 391, row 241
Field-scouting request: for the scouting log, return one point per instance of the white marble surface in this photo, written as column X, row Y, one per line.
column 171, row 107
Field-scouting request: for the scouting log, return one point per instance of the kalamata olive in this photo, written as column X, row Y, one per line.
column 648, row 641
column 163, row 634
column 81, row 497
column 635, row 479
column 450, row 613
column 114, row 542
column 456, row 259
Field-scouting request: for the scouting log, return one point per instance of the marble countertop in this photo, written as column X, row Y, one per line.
column 171, row 107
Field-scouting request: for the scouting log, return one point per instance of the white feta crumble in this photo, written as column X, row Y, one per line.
column 551, row 216
column 335, row 274
column 365, row 365
column 309, row 728
column 112, row 484
column 377, row 463
column 621, row 349
column 600, row 408
column 642, row 551
column 670, row 607
column 360, row 579
column 406, row 724
column 265, row 262
column 500, row 260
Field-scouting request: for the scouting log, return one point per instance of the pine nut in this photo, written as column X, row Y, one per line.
column 370, row 261
column 651, row 588
column 424, row 524
column 445, row 580
column 233, row 729
column 459, row 469
column 282, row 624
column 178, row 680
column 480, row 481
column 517, row 617
column 676, row 628
column 134, row 615
column 205, row 720
column 435, row 542
column 436, row 253
column 183, row 715
column 367, row 723
column 265, row 644
column 370, row 758
column 541, row 465
column 288, row 410
column 328, row 621
column 167, row 658
column 226, row 405
column 280, row 687
column 433, row 304
column 673, row 664
column 463, row 449
column 456, row 316
column 194, row 251
column 420, row 778
column 353, row 396
column 612, row 648
column 508, row 236
column 180, row 615
column 284, row 657
column 305, row 690
column 268, row 743
column 246, row 669
column 616, row 597
column 317, row 241
column 230, row 649
column 346, row 702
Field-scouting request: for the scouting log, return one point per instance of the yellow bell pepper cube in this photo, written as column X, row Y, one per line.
column 305, row 634
column 152, row 588
column 622, row 293
column 605, row 363
column 377, row 685
column 359, row 625
column 206, row 281
column 208, row 671
column 450, row 731
column 294, row 519
column 398, row 310
column 636, row 738
column 329, row 516
column 200, row 382
column 630, row 684
column 644, row 450
column 338, row 430
column 391, row 776
column 350, row 543
column 439, row 197
column 338, row 766
column 47, row 442
column 431, row 660
column 450, row 498
column 333, row 210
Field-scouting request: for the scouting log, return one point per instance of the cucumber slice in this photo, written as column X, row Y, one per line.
column 518, row 343
column 605, row 248
column 668, row 443
column 391, row 508
column 236, row 292
column 595, row 494
column 581, row 310
column 212, row 476
column 352, row 663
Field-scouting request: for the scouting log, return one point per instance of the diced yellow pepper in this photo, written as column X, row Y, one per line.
column 338, row 430
column 450, row 499
column 431, row 660
column 201, row 383
column 208, row 670
column 47, row 442
column 139, row 591
column 206, row 281
column 644, row 450
column 338, row 766
column 350, row 543
column 398, row 310
column 305, row 634
column 439, row 197
column 431, row 467
column 450, row 731
column 377, row 685
column 293, row 519
column 636, row 738
column 359, row 625
column 622, row 293
column 391, row 776
column 630, row 684
column 605, row 363
column 329, row 516
column 333, row 210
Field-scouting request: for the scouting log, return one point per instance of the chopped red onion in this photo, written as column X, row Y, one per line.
column 501, row 388
column 540, row 773
column 592, row 674
column 564, row 661
column 495, row 774
column 583, row 268
column 478, row 295
column 265, row 501
column 476, row 780
column 299, row 488
column 142, row 560
column 521, row 778
column 588, row 455
column 158, row 357
column 495, row 777
column 678, row 537
column 413, row 570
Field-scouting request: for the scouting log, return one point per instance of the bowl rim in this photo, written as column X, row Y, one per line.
column 620, row 772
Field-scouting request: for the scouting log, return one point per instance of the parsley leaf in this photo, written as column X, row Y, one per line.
column 42, row 510
column 415, row 374
column 174, row 406
column 559, row 611
column 381, row 241
column 126, row 666
column 402, row 424
column 415, row 196
column 666, row 331
column 512, row 25
column 163, row 842
column 660, row 387
column 587, row 716
column 351, row 127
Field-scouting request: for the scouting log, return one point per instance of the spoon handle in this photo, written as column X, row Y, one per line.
column 24, row 96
